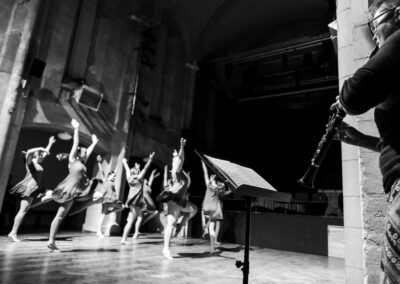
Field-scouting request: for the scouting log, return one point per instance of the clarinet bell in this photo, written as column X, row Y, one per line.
column 308, row 178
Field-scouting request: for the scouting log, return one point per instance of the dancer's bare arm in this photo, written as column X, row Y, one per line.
column 100, row 165
column 52, row 140
column 75, row 144
column 165, row 182
column 205, row 172
column 127, row 169
column 153, row 176
column 91, row 147
column 146, row 167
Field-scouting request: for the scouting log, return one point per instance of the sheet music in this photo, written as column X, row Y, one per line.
column 241, row 175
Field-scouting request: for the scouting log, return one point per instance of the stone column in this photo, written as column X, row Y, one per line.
column 363, row 198
column 14, row 48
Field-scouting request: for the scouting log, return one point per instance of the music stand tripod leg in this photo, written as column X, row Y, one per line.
column 245, row 265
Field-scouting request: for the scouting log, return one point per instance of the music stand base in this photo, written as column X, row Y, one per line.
column 245, row 265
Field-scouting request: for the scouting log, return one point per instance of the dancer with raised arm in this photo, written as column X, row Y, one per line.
column 110, row 200
column 149, row 209
column 76, row 185
column 31, row 186
column 174, row 196
column 212, row 204
column 135, row 200
column 187, row 212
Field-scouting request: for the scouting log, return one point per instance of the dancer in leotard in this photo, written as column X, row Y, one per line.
column 174, row 196
column 187, row 212
column 110, row 202
column 135, row 200
column 149, row 210
column 76, row 185
column 30, row 187
column 212, row 204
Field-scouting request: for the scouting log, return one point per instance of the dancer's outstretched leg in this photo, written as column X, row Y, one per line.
column 150, row 216
column 23, row 209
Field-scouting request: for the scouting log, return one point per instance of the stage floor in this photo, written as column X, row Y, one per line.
column 84, row 258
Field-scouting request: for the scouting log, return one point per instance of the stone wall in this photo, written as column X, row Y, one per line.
column 364, row 201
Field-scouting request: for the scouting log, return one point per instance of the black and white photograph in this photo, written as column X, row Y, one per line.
column 200, row 141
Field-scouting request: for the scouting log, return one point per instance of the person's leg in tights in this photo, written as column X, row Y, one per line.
column 23, row 209
column 217, row 228
column 205, row 223
column 104, row 209
column 128, row 226
column 186, row 217
column 172, row 217
column 138, row 223
column 55, row 224
column 150, row 216
column 212, row 236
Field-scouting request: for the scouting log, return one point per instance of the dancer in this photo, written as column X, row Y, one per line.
column 31, row 186
column 150, row 208
column 212, row 205
column 187, row 212
column 174, row 196
column 167, row 183
column 110, row 200
column 76, row 185
column 135, row 200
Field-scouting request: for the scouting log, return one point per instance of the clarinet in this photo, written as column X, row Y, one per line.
column 334, row 121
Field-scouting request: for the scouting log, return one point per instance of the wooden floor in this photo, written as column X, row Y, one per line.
column 88, row 259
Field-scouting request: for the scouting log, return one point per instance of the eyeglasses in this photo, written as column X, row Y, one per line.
column 371, row 25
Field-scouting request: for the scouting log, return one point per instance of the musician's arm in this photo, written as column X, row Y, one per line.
column 370, row 84
column 352, row 136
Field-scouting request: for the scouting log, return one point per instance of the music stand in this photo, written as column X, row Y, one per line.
column 249, row 192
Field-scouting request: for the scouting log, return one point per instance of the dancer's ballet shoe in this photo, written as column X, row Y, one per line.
column 53, row 248
column 217, row 243
column 14, row 238
column 125, row 243
column 167, row 254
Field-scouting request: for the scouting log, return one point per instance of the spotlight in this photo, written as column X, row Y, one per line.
column 64, row 136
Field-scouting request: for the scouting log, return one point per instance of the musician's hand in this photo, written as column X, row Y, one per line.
column 348, row 134
column 337, row 105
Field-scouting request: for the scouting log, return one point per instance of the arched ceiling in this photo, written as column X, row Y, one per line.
column 209, row 26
